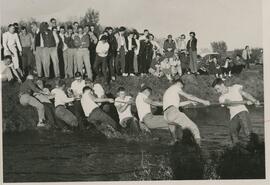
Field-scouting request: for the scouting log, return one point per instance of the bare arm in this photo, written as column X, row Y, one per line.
column 153, row 103
column 249, row 97
column 194, row 98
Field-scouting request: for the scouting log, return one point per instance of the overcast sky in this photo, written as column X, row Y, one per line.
column 238, row 22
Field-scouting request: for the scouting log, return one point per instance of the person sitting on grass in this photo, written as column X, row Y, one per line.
column 95, row 115
column 238, row 65
column 27, row 89
column 239, row 116
column 166, row 69
column 226, row 68
column 155, row 69
column 175, row 64
column 123, row 106
column 60, row 101
column 7, row 68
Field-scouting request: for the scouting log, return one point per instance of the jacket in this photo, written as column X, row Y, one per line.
column 193, row 45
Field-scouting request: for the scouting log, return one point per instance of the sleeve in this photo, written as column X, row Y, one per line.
column 221, row 99
column 116, row 103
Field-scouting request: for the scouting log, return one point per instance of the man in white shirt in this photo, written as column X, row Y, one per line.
column 143, row 105
column 60, row 100
column 11, row 42
column 123, row 106
column 246, row 55
column 95, row 115
column 232, row 97
column 171, row 104
column 102, row 52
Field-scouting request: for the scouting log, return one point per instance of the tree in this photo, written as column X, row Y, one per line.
column 91, row 17
column 219, row 47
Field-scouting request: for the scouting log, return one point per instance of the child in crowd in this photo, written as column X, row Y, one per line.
column 227, row 67
column 175, row 65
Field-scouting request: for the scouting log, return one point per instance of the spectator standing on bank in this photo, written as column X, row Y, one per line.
column 12, row 46
column 192, row 50
column 246, row 55
column 82, row 42
column 27, row 42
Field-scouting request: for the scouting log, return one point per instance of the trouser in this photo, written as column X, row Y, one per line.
column 172, row 114
column 155, row 121
column 50, row 113
column 71, row 65
column 98, row 117
column 237, row 69
column 27, row 65
column 193, row 61
column 184, row 61
column 66, row 65
column 62, row 56
column 78, row 112
column 101, row 61
column 240, row 120
column 129, row 68
column 14, row 55
column 65, row 115
column 247, row 62
column 92, row 51
column 47, row 54
column 83, row 58
column 111, row 64
column 120, row 60
column 26, row 99
column 135, row 63
column 131, row 125
column 39, row 53
column 144, row 63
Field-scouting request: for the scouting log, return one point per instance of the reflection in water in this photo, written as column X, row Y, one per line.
column 34, row 156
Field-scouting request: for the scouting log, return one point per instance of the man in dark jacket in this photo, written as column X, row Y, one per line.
column 50, row 50
column 112, row 53
column 130, row 44
column 145, row 55
column 192, row 50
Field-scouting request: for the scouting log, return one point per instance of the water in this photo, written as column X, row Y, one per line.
column 49, row 156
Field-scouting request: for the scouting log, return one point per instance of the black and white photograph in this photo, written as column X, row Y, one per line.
column 132, row 90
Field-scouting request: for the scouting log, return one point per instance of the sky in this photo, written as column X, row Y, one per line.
column 237, row 22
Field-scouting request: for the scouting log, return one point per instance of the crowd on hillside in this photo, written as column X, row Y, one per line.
column 49, row 50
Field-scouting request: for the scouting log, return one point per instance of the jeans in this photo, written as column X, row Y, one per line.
column 240, row 120
column 27, row 64
column 135, row 63
column 50, row 113
column 26, row 99
column 111, row 64
column 47, row 54
column 65, row 115
column 173, row 115
column 83, row 58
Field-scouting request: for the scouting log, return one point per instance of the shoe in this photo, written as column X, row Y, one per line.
column 125, row 74
column 113, row 78
column 131, row 74
column 41, row 124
